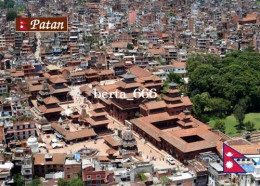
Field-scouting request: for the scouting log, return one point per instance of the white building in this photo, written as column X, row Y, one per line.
column 32, row 142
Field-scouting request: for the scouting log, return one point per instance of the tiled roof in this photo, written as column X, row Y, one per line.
column 93, row 122
column 85, row 88
column 128, row 85
column 57, row 159
column 78, row 73
column 57, row 79
column 52, row 67
column 154, row 105
column 84, row 133
column 174, row 137
column 148, row 128
column 98, row 106
column 105, row 72
column 91, row 71
column 139, row 72
column 179, row 64
column 119, row 45
column 18, row 74
column 50, row 100
column 46, row 110
column 35, row 88
column 111, row 141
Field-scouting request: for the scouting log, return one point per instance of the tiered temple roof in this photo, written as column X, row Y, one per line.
column 175, row 100
column 98, row 116
column 46, row 102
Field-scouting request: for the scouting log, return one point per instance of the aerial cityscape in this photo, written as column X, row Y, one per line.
column 129, row 92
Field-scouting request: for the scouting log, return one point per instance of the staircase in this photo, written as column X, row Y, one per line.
column 253, row 137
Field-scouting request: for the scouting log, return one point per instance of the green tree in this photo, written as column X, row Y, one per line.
column 226, row 80
column 63, row 182
column 220, row 125
column 2, row 4
column 18, row 180
column 76, row 182
column 203, row 79
column 35, row 182
column 165, row 180
column 250, row 126
column 174, row 77
column 142, row 176
column 11, row 15
column 218, row 107
column 239, row 112
column 137, row 114
column 165, row 87
column 130, row 46
column 200, row 102
column 90, row 39
column 9, row 3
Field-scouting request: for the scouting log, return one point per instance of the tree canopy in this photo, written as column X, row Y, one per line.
column 175, row 78
column 77, row 181
column 18, row 180
column 216, row 85
column 220, row 125
column 11, row 15
column 7, row 4
column 35, row 182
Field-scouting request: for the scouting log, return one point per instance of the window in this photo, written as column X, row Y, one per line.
column 68, row 176
column 89, row 177
column 98, row 182
column 27, row 171
column 98, row 176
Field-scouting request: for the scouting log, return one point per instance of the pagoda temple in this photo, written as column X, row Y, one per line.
column 176, row 103
column 47, row 104
column 124, row 108
column 98, row 119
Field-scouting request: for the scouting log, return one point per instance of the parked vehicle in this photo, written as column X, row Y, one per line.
column 170, row 159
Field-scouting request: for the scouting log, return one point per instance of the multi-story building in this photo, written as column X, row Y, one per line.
column 27, row 168
column 6, row 170
column 29, row 70
column 3, row 87
column 72, row 169
column 20, row 131
column 46, row 163
column 217, row 176
column 94, row 173
column 2, row 41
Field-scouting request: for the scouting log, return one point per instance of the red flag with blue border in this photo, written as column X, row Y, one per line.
column 229, row 163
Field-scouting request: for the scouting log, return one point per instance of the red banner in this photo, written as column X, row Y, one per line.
column 41, row 24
